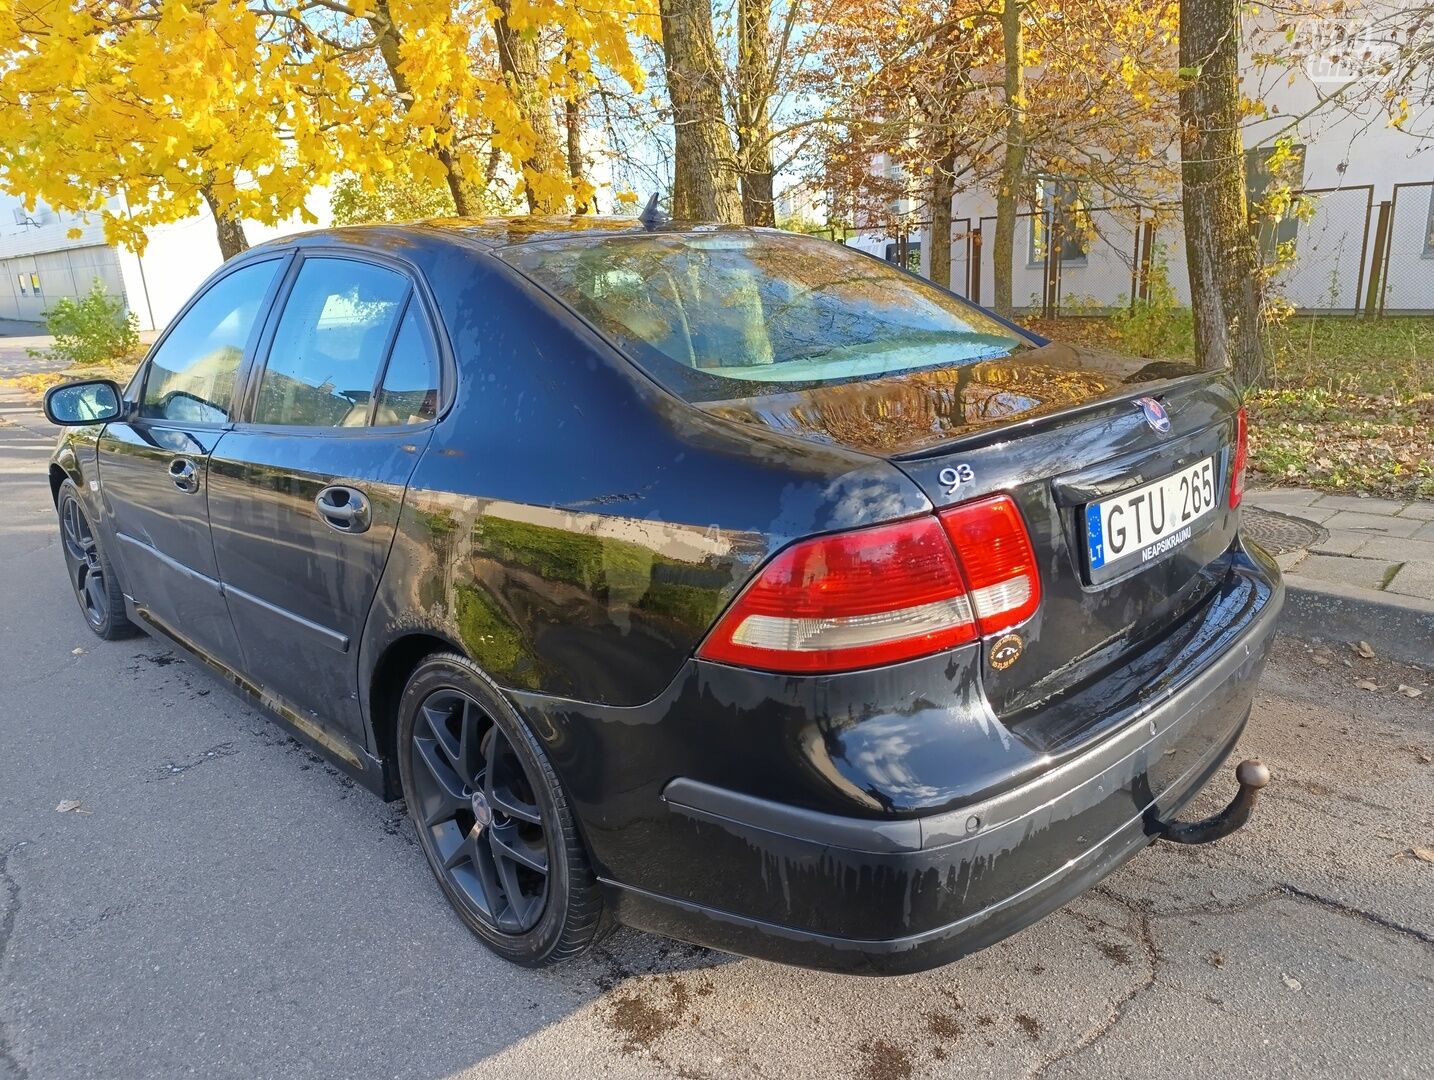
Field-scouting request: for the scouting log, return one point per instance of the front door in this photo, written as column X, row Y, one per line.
column 152, row 467
column 304, row 496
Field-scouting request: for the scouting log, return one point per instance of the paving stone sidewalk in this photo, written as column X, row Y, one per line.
column 1370, row 574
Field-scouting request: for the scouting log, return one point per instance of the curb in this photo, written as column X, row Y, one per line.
column 1397, row 627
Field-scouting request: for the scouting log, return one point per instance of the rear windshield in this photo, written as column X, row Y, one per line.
column 726, row 315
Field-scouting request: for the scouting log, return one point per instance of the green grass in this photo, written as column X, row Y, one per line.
column 1390, row 358
column 1348, row 404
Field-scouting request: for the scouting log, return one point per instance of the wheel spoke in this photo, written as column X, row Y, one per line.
column 469, row 761
column 436, row 720
column 95, row 593
column 507, row 844
column 445, row 796
column 73, row 532
column 519, row 906
column 465, row 852
column 497, row 785
column 504, row 801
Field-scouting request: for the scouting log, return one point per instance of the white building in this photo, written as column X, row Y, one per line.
column 40, row 262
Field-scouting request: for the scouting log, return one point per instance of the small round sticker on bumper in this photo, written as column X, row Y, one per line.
column 1006, row 651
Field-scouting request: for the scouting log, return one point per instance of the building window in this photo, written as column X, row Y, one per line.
column 24, row 284
column 1273, row 226
column 35, row 284
column 1063, row 213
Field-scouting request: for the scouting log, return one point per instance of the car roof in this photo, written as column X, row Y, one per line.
column 493, row 233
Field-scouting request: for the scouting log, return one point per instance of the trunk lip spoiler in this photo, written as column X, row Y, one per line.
column 999, row 433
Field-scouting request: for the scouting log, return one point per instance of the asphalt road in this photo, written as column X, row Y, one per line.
column 225, row 904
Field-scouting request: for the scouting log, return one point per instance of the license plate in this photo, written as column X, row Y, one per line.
column 1146, row 523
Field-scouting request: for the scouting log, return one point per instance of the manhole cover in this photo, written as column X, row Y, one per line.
column 1279, row 533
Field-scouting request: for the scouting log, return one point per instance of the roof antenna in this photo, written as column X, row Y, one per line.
column 651, row 217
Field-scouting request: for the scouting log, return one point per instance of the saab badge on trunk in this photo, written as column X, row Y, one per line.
column 1155, row 414
column 1006, row 651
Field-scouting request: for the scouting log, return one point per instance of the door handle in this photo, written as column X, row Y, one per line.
column 185, row 474
column 344, row 509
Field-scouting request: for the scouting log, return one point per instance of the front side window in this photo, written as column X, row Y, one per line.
column 191, row 376
column 330, row 344
column 729, row 314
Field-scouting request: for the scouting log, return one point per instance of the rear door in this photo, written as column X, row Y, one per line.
column 153, row 466
column 305, row 493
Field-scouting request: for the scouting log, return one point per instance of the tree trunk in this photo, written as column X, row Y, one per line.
column 1013, row 163
column 1220, row 248
column 943, row 190
column 522, row 67
column 229, row 230
column 385, row 32
column 754, row 122
column 573, row 117
column 704, row 182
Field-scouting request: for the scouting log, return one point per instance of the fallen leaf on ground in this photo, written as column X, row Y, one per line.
column 67, row 805
column 1291, row 982
column 1365, row 684
column 77, row 652
column 1410, row 691
column 1322, row 661
column 1365, row 650
column 1423, row 854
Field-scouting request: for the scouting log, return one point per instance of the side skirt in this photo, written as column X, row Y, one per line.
column 354, row 760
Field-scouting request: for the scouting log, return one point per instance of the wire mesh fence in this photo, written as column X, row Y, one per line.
column 1405, row 251
column 1335, row 251
column 1324, row 265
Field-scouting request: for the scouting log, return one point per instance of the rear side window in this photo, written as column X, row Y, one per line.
column 731, row 314
column 410, row 385
column 330, row 344
column 191, row 377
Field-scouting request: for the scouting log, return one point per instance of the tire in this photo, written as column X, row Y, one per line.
column 488, row 809
column 92, row 576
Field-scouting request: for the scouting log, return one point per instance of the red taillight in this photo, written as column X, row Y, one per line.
column 1242, row 455
column 995, row 553
column 884, row 594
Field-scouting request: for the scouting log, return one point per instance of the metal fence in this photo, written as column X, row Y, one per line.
column 1404, row 251
column 1336, row 251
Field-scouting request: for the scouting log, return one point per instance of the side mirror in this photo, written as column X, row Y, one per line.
column 94, row 401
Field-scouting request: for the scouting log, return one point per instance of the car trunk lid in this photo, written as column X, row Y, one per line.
column 1059, row 429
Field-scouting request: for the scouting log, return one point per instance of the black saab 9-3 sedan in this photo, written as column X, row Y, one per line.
column 720, row 582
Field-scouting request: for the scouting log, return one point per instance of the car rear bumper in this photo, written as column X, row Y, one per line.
column 894, row 896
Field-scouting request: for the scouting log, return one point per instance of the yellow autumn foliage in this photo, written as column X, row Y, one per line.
column 247, row 106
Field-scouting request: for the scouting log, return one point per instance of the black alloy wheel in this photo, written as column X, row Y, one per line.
column 480, row 812
column 491, row 817
column 91, row 575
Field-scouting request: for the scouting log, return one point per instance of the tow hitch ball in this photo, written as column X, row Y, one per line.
column 1252, row 776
